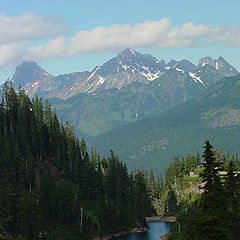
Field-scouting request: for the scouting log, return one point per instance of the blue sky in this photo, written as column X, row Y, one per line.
column 67, row 36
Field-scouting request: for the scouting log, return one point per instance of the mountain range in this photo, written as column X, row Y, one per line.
column 142, row 107
column 129, row 87
column 127, row 67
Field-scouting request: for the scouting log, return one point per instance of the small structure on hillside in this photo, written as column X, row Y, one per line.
column 193, row 174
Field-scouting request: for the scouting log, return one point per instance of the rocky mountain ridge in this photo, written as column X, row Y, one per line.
column 127, row 67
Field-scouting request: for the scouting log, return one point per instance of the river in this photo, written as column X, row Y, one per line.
column 156, row 230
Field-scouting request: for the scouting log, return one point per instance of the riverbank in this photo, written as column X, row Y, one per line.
column 170, row 219
column 122, row 233
column 165, row 236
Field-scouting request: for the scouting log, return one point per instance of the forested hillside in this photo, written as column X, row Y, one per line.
column 214, row 115
column 204, row 195
column 51, row 187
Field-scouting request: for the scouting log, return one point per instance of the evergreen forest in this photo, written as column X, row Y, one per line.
column 204, row 195
column 52, row 187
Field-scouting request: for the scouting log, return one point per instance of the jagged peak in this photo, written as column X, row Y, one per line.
column 128, row 50
column 221, row 59
column 27, row 63
column 29, row 71
column 172, row 63
column 211, row 60
column 29, row 66
column 206, row 58
column 185, row 61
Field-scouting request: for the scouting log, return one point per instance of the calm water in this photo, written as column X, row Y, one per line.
column 157, row 229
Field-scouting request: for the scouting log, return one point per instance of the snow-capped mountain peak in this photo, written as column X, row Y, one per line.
column 127, row 67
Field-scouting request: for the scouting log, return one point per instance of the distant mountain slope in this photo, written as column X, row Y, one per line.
column 93, row 114
column 214, row 115
column 101, row 111
column 127, row 67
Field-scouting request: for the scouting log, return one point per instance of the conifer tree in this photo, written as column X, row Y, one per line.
column 171, row 204
column 209, row 222
column 142, row 201
column 210, row 173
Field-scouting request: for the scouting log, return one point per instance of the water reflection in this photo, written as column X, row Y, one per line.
column 157, row 229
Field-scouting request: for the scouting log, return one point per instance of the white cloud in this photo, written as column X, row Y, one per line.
column 226, row 35
column 100, row 39
column 27, row 28
column 11, row 53
column 159, row 34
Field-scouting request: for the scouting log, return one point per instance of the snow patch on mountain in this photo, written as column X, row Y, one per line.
column 72, row 88
column 145, row 68
column 150, row 76
column 195, row 78
column 35, row 84
column 180, row 70
column 88, row 87
column 125, row 67
column 101, row 80
column 93, row 73
column 132, row 51
column 168, row 67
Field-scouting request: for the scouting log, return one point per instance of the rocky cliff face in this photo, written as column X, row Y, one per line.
column 30, row 76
